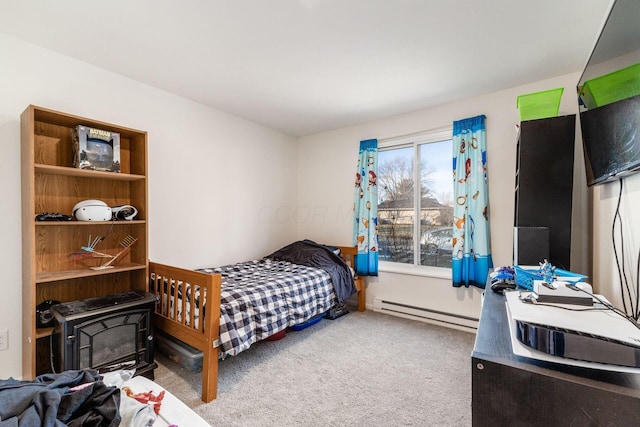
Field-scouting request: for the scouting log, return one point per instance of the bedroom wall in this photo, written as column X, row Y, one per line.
column 215, row 180
column 606, row 277
column 326, row 169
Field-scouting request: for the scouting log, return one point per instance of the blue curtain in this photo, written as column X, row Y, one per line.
column 365, row 209
column 471, row 256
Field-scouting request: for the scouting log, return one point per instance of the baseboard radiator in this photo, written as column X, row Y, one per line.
column 455, row 321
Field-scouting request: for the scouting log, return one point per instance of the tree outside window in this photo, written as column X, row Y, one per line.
column 415, row 221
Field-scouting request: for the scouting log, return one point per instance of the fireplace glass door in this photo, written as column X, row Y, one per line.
column 105, row 333
column 112, row 342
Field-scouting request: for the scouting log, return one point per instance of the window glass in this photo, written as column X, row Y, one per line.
column 415, row 221
column 396, row 205
column 436, row 204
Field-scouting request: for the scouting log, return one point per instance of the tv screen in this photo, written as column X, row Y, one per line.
column 609, row 97
column 611, row 140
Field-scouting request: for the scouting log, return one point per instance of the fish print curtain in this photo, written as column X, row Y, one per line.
column 471, row 256
column 365, row 209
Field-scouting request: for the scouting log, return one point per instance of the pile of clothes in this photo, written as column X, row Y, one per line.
column 71, row 398
column 77, row 398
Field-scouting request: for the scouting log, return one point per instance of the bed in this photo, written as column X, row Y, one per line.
column 222, row 311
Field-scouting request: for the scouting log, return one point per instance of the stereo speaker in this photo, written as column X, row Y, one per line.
column 530, row 245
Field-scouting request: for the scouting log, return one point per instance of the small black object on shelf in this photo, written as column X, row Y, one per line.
column 53, row 216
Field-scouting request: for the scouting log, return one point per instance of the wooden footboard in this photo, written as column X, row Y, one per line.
column 177, row 316
column 184, row 319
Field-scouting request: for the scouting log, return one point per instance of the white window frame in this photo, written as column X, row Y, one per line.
column 415, row 140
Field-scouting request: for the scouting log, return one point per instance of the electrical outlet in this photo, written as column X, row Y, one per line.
column 4, row 339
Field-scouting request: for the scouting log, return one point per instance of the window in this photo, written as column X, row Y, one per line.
column 415, row 221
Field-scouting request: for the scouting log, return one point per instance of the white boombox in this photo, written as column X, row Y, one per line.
column 97, row 210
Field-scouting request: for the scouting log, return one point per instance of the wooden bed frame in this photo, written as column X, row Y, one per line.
column 205, row 336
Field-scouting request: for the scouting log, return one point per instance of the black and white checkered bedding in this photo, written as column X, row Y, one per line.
column 262, row 297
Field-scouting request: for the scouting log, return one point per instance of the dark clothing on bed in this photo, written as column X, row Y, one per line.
column 312, row 254
column 49, row 401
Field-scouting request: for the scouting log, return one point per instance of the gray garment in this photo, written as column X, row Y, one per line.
column 48, row 401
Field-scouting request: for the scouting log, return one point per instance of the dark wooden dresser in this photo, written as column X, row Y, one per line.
column 510, row 390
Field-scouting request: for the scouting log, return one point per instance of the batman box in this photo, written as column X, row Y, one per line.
column 96, row 149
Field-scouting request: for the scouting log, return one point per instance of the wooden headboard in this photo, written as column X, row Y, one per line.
column 349, row 254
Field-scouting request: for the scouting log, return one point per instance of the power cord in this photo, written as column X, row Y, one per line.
column 628, row 292
column 53, row 369
column 607, row 304
column 617, row 217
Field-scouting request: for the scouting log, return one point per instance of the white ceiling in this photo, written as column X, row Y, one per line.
column 306, row 66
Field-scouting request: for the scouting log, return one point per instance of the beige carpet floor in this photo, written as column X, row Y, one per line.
column 363, row 369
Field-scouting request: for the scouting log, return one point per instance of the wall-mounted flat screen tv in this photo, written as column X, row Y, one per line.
column 609, row 97
column 611, row 140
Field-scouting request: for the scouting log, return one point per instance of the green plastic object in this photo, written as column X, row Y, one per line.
column 612, row 87
column 540, row 105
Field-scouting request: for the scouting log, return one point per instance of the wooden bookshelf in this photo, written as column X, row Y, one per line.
column 50, row 183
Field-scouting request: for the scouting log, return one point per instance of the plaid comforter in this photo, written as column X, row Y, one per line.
column 262, row 297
